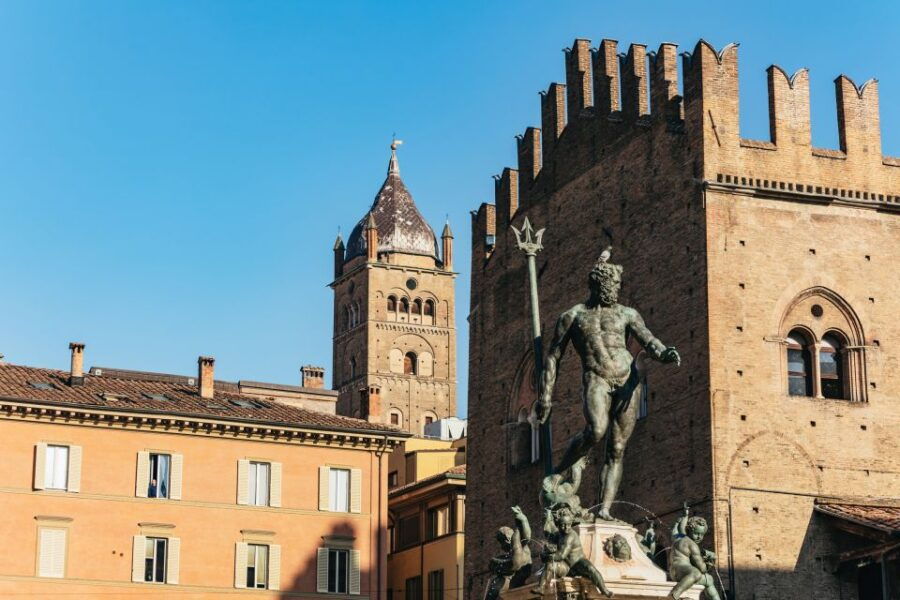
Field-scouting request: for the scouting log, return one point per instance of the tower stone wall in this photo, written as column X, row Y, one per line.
column 727, row 245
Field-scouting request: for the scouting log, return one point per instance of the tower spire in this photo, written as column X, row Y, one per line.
column 394, row 166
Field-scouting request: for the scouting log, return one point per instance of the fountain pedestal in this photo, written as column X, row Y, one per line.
column 633, row 578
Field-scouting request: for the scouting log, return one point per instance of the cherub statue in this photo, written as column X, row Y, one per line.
column 512, row 567
column 562, row 488
column 564, row 556
column 689, row 564
column 647, row 542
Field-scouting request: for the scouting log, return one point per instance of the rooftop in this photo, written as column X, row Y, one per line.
column 160, row 393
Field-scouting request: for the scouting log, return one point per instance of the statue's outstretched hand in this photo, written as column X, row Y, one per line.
column 670, row 355
column 542, row 411
column 517, row 512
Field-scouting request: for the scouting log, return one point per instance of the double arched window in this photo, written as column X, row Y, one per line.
column 816, row 367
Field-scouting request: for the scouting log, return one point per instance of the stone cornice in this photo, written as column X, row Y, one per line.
column 809, row 194
column 29, row 410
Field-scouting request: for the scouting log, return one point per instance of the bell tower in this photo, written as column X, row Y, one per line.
column 394, row 343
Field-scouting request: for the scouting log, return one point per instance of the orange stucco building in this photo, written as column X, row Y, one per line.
column 114, row 484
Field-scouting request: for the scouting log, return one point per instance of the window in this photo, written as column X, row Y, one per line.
column 831, row 367
column 429, row 419
column 436, row 585
column 56, row 468
column 258, row 487
column 393, row 479
column 339, row 490
column 409, row 531
column 338, row 571
column 352, row 367
column 158, row 486
column 417, row 307
column 404, row 305
column 409, row 363
column 392, row 304
column 396, row 418
column 429, row 308
column 438, row 520
column 51, row 552
column 799, row 364
column 257, row 566
column 414, row 588
column 155, row 560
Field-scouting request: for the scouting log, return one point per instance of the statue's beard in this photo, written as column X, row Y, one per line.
column 606, row 295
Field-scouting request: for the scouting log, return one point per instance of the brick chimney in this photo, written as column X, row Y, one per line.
column 447, row 241
column 76, row 370
column 371, row 239
column 205, row 370
column 312, row 377
column 371, row 404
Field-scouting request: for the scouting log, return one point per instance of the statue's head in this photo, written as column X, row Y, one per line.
column 504, row 537
column 563, row 517
column 617, row 548
column 696, row 528
column 605, row 280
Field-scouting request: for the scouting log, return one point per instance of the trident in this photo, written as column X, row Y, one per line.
column 529, row 242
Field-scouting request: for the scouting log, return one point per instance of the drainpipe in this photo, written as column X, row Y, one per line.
column 379, row 453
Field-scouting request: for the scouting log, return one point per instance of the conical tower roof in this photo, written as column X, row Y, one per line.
column 401, row 227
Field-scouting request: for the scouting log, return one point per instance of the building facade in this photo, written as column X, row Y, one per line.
column 117, row 484
column 426, row 521
column 394, row 326
column 769, row 264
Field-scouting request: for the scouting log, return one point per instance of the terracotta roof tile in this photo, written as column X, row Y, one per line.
column 884, row 518
column 164, row 394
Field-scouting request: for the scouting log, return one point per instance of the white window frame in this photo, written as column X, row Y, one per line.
column 155, row 541
column 153, row 475
column 56, row 467
column 259, row 553
column 334, row 555
column 339, row 490
column 259, row 492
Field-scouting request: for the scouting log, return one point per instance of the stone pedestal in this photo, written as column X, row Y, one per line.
column 634, row 578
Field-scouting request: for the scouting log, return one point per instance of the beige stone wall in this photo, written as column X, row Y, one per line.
column 381, row 339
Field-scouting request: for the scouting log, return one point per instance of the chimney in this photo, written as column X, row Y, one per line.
column 371, row 239
column 312, row 377
column 205, row 369
column 447, row 241
column 338, row 256
column 76, row 371
column 371, row 404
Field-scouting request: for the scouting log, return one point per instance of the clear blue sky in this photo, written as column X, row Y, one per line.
column 173, row 174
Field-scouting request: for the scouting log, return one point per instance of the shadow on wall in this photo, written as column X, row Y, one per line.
column 342, row 537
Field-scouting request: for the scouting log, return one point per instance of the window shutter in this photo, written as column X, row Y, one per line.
column 322, row 568
column 175, row 479
column 323, row 488
column 142, row 481
column 138, row 555
column 74, row 469
column 275, row 485
column 40, row 457
column 240, row 565
column 354, row 571
column 355, row 490
column 274, row 567
column 173, row 560
column 52, row 559
column 243, row 480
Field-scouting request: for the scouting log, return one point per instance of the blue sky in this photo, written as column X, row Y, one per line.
column 173, row 174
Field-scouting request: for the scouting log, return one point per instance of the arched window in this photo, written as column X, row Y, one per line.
column 396, row 417
column 799, row 364
column 404, row 305
column 357, row 314
column 417, row 307
column 352, row 367
column 392, row 304
column 831, row 368
column 429, row 308
column 409, row 363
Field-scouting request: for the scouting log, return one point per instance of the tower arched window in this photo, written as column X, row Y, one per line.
column 428, row 312
column 404, row 305
column 831, row 367
column 417, row 307
column 799, row 363
column 392, row 304
column 409, row 363
column 352, row 367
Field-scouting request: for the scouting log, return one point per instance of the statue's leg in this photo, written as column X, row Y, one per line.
column 685, row 583
column 596, row 416
column 621, row 428
column 710, row 590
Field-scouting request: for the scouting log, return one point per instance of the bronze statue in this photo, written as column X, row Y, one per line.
column 512, row 567
column 562, row 488
column 564, row 556
column 689, row 564
column 598, row 329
